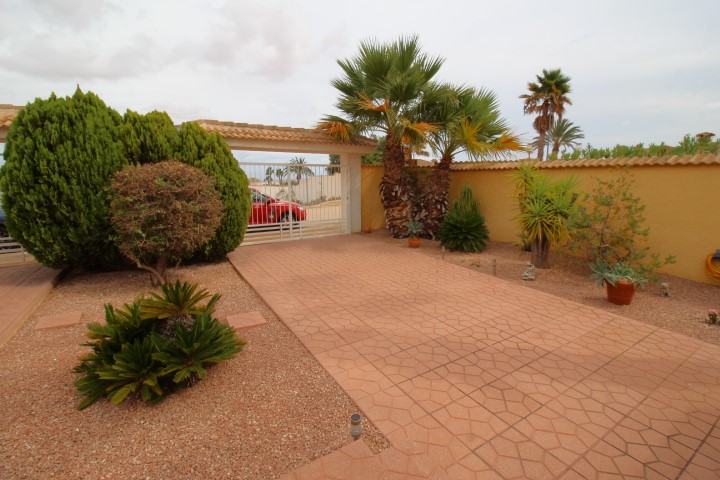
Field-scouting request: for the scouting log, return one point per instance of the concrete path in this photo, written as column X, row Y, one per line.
column 473, row 377
column 22, row 288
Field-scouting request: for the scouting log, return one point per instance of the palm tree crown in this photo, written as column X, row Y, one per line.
column 564, row 134
column 298, row 167
column 381, row 90
column 547, row 98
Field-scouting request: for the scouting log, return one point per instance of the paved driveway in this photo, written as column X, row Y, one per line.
column 473, row 377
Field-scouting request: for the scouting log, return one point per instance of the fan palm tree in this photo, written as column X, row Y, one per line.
column 298, row 167
column 472, row 124
column 269, row 172
column 380, row 91
column 547, row 98
column 564, row 134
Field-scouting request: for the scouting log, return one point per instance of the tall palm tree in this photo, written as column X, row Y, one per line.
column 269, row 172
column 547, row 98
column 298, row 167
column 380, row 91
column 472, row 124
column 564, row 134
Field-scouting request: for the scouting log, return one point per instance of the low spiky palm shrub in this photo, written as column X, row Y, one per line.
column 133, row 356
column 464, row 231
column 463, row 227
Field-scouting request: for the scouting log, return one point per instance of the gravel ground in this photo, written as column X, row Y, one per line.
column 684, row 311
column 262, row 414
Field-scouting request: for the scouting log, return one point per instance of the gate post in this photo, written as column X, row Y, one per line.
column 351, row 191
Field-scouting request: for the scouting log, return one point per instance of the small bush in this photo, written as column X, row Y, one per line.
column 131, row 359
column 463, row 227
column 163, row 212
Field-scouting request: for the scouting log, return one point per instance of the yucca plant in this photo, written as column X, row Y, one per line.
column 178, row 303
column 188, row 356
column 544, row 208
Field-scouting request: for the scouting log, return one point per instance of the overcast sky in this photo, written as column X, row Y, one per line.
column 642, row 71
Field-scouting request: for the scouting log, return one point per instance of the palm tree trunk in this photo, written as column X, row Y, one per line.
column 556, row 148
column 541, row 145
column 434, row 204
column 395, row 191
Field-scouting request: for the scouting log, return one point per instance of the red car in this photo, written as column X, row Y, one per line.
column 266, row 209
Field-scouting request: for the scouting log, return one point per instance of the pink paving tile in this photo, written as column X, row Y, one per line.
column 565, row 439
column 505, row 401
column 515, row 456
column 61, row 320
column 473, row 377
column 466, row 374
column 243, row 321
column 431, row 391
column 472, row 423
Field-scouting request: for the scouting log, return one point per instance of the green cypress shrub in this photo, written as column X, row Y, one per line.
column 59, row 157
column 210, row 153
column 463, row 227
column 149, row 138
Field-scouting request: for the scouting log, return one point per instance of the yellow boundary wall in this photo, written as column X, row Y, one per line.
column 681, row 195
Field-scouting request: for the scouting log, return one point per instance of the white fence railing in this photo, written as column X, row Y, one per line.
column 12, row 253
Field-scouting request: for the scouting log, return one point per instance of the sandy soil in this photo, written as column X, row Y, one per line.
column 262, row 414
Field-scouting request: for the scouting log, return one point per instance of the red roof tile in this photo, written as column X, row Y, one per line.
column 8, row 114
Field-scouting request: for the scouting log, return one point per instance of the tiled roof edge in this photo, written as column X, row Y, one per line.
column 698, row 159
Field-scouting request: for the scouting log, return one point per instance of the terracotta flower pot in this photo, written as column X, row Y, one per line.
column 622, row 293
column 413, row 242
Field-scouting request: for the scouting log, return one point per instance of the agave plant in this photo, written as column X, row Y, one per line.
column 178, row 304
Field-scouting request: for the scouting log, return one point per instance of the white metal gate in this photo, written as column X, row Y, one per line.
column 294, row 200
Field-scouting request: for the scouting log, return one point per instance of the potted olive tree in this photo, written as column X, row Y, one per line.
column 608, row 226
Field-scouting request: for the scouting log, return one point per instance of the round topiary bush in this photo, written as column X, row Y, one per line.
column 162, row 213
column 59, row 157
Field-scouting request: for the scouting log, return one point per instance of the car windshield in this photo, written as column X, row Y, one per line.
column 258, row 197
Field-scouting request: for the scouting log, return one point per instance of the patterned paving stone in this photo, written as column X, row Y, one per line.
column 472, row 377
column 467, row 374
column 504, row 400
column 472, row 423
column 431, row 391
column 515, row 456
column 390, row 409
